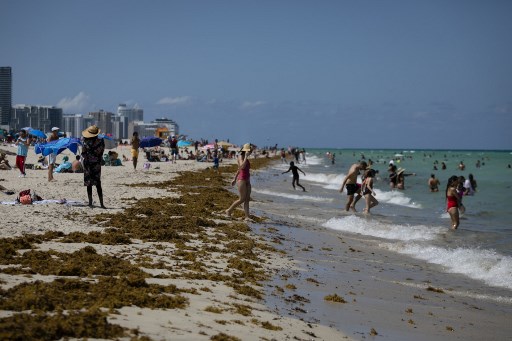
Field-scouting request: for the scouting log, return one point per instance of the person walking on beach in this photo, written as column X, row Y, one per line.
column 367, row 190
column 52, row 158
column 92, row 153
column 135, row 142
column 22, row 142
column 453, row 201
column 433, row 183
column 350, row 182
column 295, row 171
column 242, row 178
column 173, row 144
column 283, row 156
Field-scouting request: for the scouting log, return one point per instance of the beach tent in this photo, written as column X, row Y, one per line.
column 58, row 146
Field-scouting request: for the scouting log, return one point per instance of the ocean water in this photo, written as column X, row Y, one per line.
column 412, row 222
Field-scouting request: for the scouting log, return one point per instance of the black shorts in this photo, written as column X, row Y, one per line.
column 351, row 189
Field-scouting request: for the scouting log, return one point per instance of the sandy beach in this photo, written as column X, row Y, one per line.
column 156, row 264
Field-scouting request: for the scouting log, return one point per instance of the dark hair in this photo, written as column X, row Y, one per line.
column 451, row 180
column 370, row 173
column 135, row 133
column 292, row 163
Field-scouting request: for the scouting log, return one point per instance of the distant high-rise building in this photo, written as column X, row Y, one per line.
column 5, row 95
column 73, row 125
column 38, row 117
column 103, row 119
column 133, row 114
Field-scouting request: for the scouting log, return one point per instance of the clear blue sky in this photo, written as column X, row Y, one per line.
column 344, row 74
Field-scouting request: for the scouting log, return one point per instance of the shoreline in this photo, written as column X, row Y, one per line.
column 163, row 265
column 391, row 294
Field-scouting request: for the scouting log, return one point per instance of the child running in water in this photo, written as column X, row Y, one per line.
column 367, row 190
column 295, row 171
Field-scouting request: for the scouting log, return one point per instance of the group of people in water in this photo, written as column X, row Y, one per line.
column 457, row 187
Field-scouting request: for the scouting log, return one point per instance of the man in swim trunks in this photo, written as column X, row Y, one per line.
column 350, row 182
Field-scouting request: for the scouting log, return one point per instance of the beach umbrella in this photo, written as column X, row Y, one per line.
column 184, row 143
column 208, row 146
column 151, row 141
column 34, row 132
column 58, row 146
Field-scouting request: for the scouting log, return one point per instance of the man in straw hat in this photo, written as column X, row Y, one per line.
column 92, row 154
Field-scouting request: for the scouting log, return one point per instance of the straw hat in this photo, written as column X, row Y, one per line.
column 246, row 148
column 400, row 170
column 92, row 131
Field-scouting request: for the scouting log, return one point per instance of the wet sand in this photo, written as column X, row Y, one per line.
column 387, row 295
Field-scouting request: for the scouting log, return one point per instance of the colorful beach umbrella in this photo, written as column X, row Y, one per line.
column 58, row 146
column 151, row 141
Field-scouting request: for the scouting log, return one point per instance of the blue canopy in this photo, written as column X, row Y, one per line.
column 35, row 132
column 58, row 146
column 150, row 142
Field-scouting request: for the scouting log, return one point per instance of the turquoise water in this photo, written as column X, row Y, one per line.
column 412, row 222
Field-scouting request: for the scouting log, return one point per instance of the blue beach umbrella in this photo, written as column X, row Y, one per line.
column 34, row 132
column 183, row 143
column 151, row 141
column 58, row 146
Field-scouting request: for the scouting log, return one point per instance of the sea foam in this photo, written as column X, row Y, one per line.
column 293, row 196
column 486, row 265
column 375, row 228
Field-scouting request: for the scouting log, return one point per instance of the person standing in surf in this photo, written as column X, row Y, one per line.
column 242, row 178
column 350, row 182
column 367, row 190
column 295, row 171
column 453, row 201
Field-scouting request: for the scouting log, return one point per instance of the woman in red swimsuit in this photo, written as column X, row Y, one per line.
column 453, row 201
column 243, row 179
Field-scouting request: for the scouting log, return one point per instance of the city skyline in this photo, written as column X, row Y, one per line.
column 339, row 74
